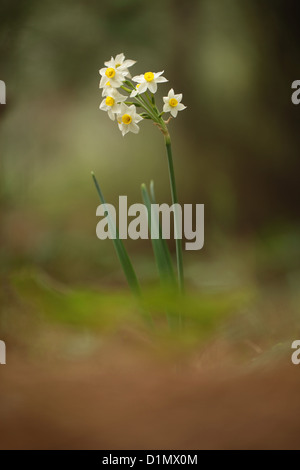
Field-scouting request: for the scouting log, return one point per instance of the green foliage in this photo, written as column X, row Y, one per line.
column 110, row 310
column 119, row 247
column 160, row 248
column 79, row 307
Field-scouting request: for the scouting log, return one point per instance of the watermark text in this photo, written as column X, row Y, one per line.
column 187, row 221
column 2, row 92
column 2, row 352
column 296, row 94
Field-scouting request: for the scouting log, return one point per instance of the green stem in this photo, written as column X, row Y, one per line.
column 149, row 99
column 129, row 83
column 176, row 221
column 126, row 89
column 152, row 102
column 146, row 107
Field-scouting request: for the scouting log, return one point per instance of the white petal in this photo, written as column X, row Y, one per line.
column 115, row 108
column 103, row 81
column 138, row 118
column 171, row 93
column 110, row 63
column 134, row 127
column 102, row 71
column 118, row 96
column 142, row 88
column 119, row 59
column 107, row 90
column 122, row 68
column 129, row 63
column 115, row 82
column 161, row 80
column 123, row 108
column 180, row 107
column 138, row 78
column 174, row 112
column 166, row 99
column 103, row 106
column 133, row 94
column 152, row 86
column 166, row 108
column 111, row 114
column 158, row 74
column 178, row 97
column 121, row 98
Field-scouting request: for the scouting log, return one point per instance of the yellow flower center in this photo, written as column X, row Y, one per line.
column 110, row 72
column 107, row 84
column 173, row 102
column 109, row 101
column 118, row 65
column 149, row 76
column 138, row 85
column 126, row 119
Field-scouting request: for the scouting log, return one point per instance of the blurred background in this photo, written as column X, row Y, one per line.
column 235, row 147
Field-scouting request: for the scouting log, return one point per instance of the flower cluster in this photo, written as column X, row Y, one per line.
column 141, row 88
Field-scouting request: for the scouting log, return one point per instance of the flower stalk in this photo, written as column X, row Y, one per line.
column 178, row 241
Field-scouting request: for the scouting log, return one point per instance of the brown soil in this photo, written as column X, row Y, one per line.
column 129, row 403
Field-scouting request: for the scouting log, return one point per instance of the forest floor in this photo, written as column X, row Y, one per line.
column 126, row 399
column 84, row 370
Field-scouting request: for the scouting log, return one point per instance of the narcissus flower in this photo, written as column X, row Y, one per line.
column 111, row 103
column 107, row 89
column 114, row 76
column 120, row 63
column 128, row 118
column 136, row 91
column 148, row 81
column 173, row 103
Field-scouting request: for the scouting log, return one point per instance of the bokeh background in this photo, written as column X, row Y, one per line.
column 236, row 150
column 236, row 147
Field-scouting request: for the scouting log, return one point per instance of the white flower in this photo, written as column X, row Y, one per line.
column 136, row 91
column 111, row 103
column 128, row 118
column 107, row 89
column 115, row 72
column 112, row 75
column 173, row 103
column 120, row 63
column 148, row 81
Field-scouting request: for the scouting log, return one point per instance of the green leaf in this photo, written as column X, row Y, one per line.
column 160, row 248
column 119, row 246
column 145, row 116
column 163, row 241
